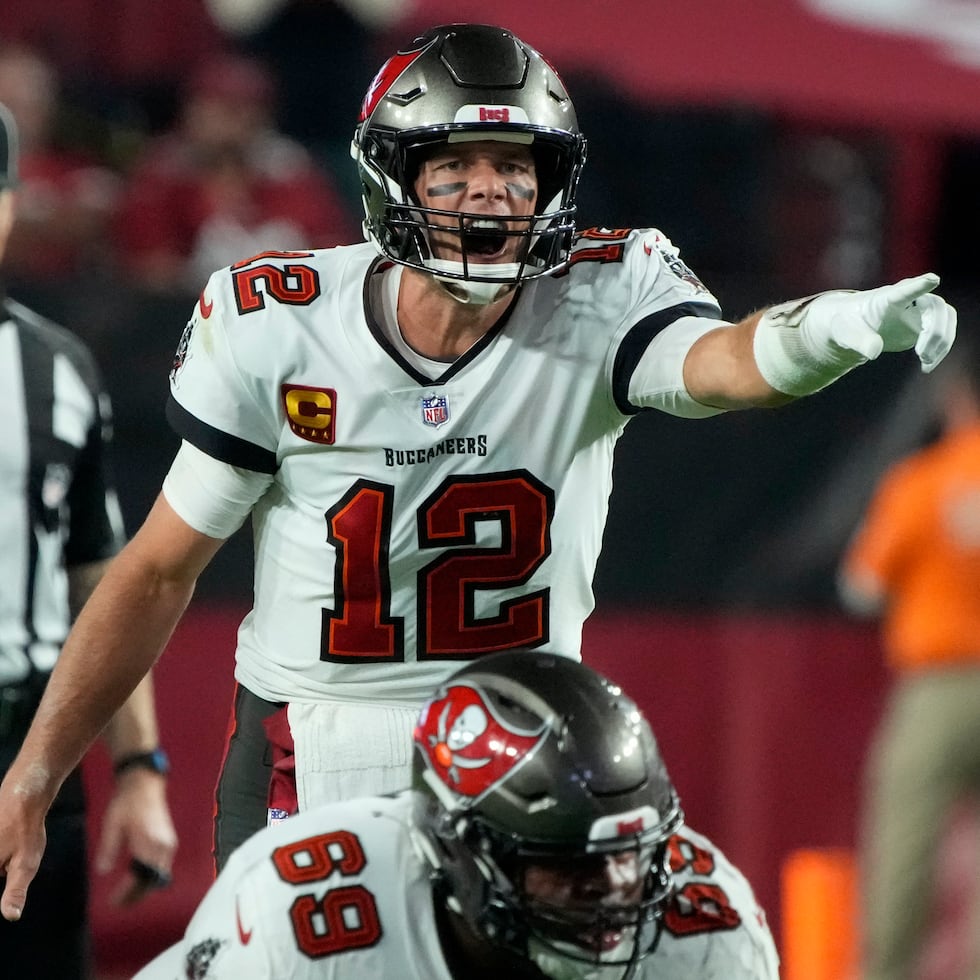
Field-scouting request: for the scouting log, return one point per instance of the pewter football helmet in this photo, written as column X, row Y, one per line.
column 467, row 82
column 528, row 758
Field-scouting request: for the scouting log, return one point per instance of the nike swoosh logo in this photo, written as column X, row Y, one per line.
column 244, row 937
column 206, row 308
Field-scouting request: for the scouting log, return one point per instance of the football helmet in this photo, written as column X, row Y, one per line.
column 525, row 760
column 455, row 83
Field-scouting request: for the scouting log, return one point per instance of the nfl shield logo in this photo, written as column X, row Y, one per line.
column 435, row 410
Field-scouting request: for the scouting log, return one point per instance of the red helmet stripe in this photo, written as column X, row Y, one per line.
column 386, row 77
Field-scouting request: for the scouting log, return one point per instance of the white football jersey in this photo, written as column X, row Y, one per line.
column 342, row 893
column 414, row 522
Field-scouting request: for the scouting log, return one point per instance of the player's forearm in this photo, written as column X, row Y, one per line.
column 82, row 580
column 133, row 728
column 720, row 369
column 115, row 641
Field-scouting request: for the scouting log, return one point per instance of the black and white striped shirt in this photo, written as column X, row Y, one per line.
column 58, row 507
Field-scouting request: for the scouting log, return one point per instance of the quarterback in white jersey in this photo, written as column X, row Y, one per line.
column 422, row 429
column 453, row 878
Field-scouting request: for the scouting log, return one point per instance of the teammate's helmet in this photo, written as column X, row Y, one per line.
column 467, row 82
column 528, row 758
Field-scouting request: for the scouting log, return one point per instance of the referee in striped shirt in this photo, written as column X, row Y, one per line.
column 59, row 527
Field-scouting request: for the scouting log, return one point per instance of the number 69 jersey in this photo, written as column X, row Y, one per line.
column 416, row 517
column 341, row 893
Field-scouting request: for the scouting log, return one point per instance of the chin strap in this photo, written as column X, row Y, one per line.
column 475, row 292
column 549, row 960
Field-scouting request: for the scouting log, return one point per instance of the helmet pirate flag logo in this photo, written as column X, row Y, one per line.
column 468, row 746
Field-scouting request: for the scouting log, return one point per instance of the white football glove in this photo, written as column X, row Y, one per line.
column 805, row 344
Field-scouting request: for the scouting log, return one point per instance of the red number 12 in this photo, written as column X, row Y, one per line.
column 361, row 628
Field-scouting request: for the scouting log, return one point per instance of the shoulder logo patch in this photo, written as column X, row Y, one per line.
column 181, row 355
column 201, row 957
column 676, row 264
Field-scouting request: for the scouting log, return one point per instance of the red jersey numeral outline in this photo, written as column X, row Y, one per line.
column 696, row 907
column 611, row 251
column 345, row 917
column 294, row 284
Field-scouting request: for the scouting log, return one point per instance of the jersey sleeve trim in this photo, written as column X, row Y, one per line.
column 221, row 445
column 638, row 339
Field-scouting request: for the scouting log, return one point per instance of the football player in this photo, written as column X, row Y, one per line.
column 421, row 428
column 542, row 838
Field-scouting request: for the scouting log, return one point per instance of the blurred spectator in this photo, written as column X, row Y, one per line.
column 109, row 54
column 324, row 54
column 916, row 563
column 66, row 198
column 223, row 184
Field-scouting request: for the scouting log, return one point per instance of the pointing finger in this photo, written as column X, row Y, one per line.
column 902, row 293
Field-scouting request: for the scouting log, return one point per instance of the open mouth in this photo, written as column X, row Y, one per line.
column 485, row 237
column 600, row 940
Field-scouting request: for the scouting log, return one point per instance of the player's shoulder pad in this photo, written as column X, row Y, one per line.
column 714, row 902
column 247, row 285
column 694, row 857
column 654, row 245
column 275, row 278
column 638, row 251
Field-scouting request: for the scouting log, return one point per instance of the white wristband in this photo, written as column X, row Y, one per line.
column 787, row 356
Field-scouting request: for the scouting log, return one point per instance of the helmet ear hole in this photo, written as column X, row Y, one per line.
column 411, row 166
column 547, row 164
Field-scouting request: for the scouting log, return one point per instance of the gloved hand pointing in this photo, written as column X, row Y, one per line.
column 804, row 345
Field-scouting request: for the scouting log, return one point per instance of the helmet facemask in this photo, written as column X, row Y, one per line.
column 585, row 939
column 486, row 877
